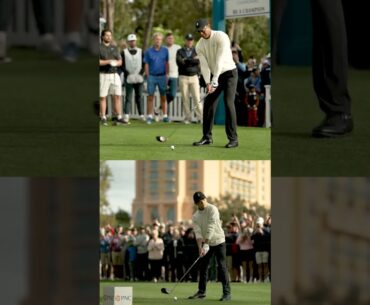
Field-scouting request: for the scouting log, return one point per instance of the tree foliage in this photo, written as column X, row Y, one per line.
column 133, row 16
column 229, row 206
column 123, row 218
column 105, row 178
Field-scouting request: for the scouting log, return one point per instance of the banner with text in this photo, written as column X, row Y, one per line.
column 246, row 8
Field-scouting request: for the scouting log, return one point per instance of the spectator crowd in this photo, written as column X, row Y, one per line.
column 174, row 68
column 163, row 252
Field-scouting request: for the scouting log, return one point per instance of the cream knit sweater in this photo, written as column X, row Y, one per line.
column 215, row 55
column 207, row 225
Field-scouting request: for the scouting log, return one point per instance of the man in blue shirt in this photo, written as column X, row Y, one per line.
column 156, row 70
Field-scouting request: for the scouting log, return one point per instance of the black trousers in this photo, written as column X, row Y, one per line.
column 142, row 266
column 227, row 83
column 220, row 253
column 330, row 59
column 44, row 15
column 138, row 89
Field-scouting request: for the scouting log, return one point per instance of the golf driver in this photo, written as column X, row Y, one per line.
column 169, row 291
column 163, row 138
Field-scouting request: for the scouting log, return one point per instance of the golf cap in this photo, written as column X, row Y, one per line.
column 266, row 62
column 131, row 37
column 189, row 36
column 198, row 196
column 260, row 221
column 200, row 24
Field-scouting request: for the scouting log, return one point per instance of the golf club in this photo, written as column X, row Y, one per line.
column 169, row 291
column 163, row 138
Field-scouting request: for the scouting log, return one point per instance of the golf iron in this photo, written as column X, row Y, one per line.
column 169, row 291
column 163, row 138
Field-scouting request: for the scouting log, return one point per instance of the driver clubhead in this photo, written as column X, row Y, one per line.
column 161, row 139
column 165, row 291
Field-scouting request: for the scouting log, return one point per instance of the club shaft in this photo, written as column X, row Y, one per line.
column 185, row 274
column 197, row 105
column 156, row 110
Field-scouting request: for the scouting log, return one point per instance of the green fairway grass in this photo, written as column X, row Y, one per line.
column 47, row 125
column 150, row 293
column 137, row 142
column 296, row 112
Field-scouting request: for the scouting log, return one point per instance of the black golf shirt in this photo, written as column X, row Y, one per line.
column 106, row 53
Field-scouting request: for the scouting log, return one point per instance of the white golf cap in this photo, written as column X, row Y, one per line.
column 131, row 37
column 260, row 221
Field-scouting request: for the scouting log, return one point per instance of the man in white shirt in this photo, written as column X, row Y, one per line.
column 214, row 51
column 173, row 73
column 211, row 241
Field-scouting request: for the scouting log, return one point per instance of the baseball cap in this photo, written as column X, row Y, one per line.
column 189, row 36
column 260, row 221
column 198, row 196
column 131, row 37
column 201, row 23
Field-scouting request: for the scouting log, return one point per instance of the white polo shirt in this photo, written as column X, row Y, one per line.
column 172, row 51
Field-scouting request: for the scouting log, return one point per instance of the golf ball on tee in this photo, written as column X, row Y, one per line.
column 172, row 147
column 175, row 298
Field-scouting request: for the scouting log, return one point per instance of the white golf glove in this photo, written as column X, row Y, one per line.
column 205, row 248
column 214, row 83
column 113, row 63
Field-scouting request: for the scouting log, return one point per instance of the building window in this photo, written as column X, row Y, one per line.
column 170, row 195
column 170, row 175
column 154, row 186
column 139, row 219
column 170, row 186
column 170, row 164
column 154, row 195
column 171, row 214
column 194, row 187
column 194, row 164
column 154, row 213
column 194, row 175
column 154, row 164
column 154, row 175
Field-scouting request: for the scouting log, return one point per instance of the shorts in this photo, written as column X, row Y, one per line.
column 110, row 84
column 117, row 258
column 159, row 81
column 105, row 258
column 247, row 255
column 262, row 257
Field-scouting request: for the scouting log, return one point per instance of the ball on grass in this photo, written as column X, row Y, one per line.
column 175, row 298
column 172, row 147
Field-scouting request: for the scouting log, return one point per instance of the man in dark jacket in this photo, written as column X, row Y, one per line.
column 188, row 64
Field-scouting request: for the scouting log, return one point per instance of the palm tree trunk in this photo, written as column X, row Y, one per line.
column 149, row 25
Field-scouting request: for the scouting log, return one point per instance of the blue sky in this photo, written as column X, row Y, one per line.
column 122, row 190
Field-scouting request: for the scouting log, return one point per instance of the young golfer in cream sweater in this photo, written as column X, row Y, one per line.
column 211, row 241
